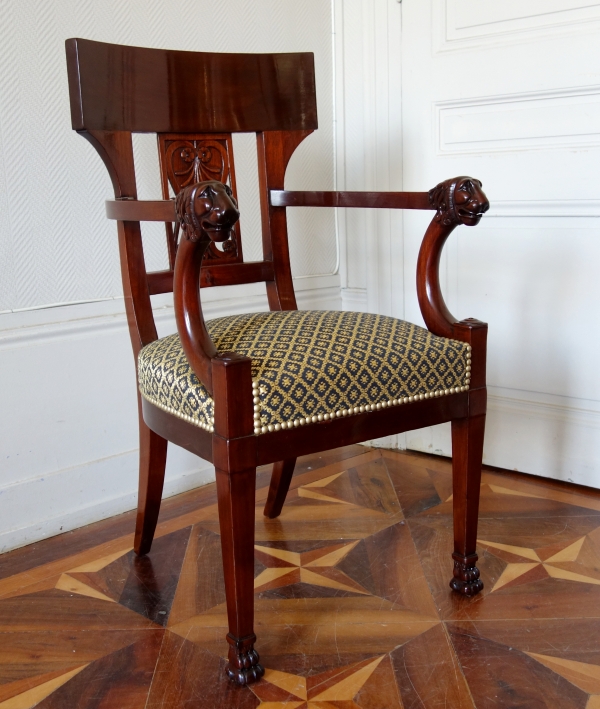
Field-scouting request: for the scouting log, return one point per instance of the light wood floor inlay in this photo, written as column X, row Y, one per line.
column 353, row 609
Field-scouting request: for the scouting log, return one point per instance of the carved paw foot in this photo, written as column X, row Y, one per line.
column 243, row 666
column 466, row 579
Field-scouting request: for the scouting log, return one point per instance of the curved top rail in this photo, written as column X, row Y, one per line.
column 121, row 88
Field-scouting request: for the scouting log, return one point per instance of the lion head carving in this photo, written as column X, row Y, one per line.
column 459, row 200
column 207, row 208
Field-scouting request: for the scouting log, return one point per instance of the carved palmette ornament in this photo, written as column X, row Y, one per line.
column 459, row 200
column 190, row 161
column 187, row 159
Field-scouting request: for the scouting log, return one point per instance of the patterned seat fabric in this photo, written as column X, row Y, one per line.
column 311, row 365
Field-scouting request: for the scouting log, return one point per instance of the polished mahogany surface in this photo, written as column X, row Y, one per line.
column 371, row 200
column 164, row 210
column 194, row 102
column 133, row 210
column 353, row 610
column 115, row 87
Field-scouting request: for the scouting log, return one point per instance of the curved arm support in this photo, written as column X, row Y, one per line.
column 459, row 200
column 438, row 318
column 207, row 212
column 195, row 340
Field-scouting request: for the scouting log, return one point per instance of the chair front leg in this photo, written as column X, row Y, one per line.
column 467, row 456
column 234, row 456
column 236, row 500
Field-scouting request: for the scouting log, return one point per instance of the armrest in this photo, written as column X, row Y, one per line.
column 207, row 212
column 369, row 200
column 459, row 200
column 128, row 209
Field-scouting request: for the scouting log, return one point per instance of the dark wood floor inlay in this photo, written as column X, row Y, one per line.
column 353, row 610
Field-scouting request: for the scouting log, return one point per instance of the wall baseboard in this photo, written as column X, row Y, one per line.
column 94, row 490
column 24, row 327
column 533, row 433
column 69, row 415
column 354, row 299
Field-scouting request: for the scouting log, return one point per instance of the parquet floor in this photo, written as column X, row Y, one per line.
column 353, row 608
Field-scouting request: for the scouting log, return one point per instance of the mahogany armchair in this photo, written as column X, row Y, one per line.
column 248, row 390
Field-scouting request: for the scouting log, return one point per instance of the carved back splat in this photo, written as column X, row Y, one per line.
column 193, row 101
column 187, row 158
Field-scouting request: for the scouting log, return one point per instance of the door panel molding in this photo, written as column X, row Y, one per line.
column 505, row 91
column 563, row 118
column 564, row 208
column 549, row 436
column 469, row 24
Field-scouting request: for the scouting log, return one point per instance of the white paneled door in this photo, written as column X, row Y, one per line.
column 509, row 92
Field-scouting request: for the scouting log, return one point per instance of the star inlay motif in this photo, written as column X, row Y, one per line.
column 334, row 689
column 315, row 567
column 526, row 565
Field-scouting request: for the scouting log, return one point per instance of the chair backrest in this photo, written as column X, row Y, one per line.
column 194, row 101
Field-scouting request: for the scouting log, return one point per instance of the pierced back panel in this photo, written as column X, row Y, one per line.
column 186, row 158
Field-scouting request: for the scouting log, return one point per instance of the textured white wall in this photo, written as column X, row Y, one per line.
column 63, row 249
column 68, row 441
column 369, row 156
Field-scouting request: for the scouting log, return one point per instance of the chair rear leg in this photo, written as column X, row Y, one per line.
column 153, row 459
column 236, row 493
column 280, row 484
column 467, row 456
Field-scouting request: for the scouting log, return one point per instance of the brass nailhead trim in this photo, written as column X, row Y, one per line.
column 200, row 424
column 314, row 419
column 320, row 417
column 359, row 409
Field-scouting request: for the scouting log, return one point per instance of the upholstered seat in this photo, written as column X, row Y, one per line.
column 312, row 365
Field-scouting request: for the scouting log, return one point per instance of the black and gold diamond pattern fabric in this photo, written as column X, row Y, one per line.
column 311, row 365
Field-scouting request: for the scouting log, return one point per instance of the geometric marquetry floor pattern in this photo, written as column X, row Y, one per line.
column 353, row 609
